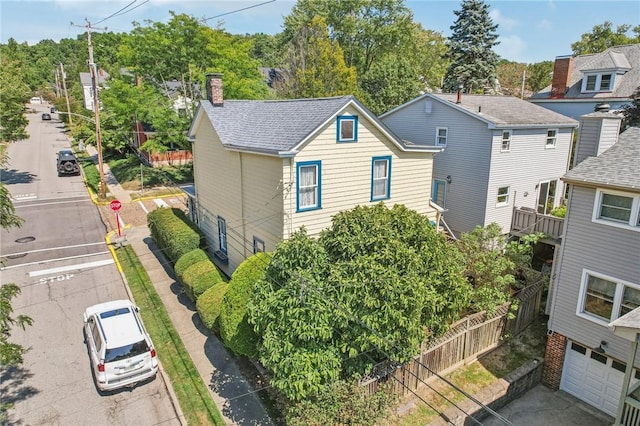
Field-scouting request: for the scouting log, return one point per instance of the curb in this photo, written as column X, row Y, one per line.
column 165, row 380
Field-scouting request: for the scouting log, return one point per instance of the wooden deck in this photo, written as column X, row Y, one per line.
column 527, row 221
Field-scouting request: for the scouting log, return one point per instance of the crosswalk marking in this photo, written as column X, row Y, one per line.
column 71, row 267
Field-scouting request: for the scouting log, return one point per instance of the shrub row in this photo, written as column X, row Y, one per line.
column 221, row 305
column 173, row 233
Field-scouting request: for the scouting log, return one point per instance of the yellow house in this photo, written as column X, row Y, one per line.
column 263, row 169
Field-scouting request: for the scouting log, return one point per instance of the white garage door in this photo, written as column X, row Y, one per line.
column 593, row 377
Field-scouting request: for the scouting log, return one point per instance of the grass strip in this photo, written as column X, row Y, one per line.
column 193, row 396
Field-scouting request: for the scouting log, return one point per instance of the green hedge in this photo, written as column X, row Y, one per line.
column 173, row 232
column 188, row 259
column 208, row 305
column 235, row 331
column 194, row 272
column 205, row 282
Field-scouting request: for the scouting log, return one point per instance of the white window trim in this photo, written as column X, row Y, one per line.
column 446, row 136
column 635, row 210
column 555, row 139
column 617, row 298
column 508, row 195
column 508, row 148
column 583, row 88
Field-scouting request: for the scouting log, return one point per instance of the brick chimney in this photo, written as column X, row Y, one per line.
column 214, row 89
column 561, row 76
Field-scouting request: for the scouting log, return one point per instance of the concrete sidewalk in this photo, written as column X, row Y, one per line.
column 232, row 394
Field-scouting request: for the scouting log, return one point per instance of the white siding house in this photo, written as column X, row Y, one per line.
column 499, row 153
column 582, row 82
column 596, row 277
column 264, row 169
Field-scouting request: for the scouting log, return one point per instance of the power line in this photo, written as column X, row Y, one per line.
column 239, row 10
column 123, row 11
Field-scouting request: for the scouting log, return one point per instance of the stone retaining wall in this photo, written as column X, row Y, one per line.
column 495, row 396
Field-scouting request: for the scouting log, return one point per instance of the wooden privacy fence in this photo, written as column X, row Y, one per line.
column 465, row 341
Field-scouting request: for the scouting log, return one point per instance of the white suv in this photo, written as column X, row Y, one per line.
column 120, row 348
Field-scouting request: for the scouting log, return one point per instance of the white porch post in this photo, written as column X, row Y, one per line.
column 627, row 379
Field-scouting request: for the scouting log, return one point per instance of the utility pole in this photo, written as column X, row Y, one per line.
column 96, row 108
column 66, row 95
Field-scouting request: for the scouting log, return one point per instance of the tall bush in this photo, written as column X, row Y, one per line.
column 208, row 305
column 173, row 232
column 236, row 332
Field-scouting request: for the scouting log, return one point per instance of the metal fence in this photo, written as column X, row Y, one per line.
column 465, row 341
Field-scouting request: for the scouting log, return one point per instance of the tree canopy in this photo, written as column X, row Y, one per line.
column 603, row 37
column 315, row 66
column 473, row 61
column 370, row 289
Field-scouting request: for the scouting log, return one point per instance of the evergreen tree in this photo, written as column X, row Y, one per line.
column 473, row 63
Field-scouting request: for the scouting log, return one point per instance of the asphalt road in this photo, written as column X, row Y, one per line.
column 62, row 264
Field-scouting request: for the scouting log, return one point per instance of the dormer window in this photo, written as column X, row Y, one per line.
column 347, row 128
column 601, row 82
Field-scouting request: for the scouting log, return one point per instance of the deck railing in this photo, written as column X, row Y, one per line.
column 527, row 221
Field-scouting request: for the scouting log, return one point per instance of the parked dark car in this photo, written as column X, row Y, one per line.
column 52, row 109
column 46, row 116
column 67, row 163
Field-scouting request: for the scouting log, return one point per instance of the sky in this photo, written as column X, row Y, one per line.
column 529, row 31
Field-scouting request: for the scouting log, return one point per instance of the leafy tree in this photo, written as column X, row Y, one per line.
column 603, row 37
column 14, row 93
column 8, row 217
column 366, row 29
column 343, row 402
column 294, row 321
column 493, row 264
column 488, row 270
column 370, row 289
column 389, row 83
column 11, row 354
column 632, row 111
column 186, row 50
column 510, row 75
column 315, row 65
column 379, row 39
column 539, row 75
column 473, row 62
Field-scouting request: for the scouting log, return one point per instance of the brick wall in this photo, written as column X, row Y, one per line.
column 553, row 360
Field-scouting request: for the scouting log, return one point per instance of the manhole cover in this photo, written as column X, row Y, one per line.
column 25, row 239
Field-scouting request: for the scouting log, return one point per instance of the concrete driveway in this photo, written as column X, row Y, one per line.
column 542, row 406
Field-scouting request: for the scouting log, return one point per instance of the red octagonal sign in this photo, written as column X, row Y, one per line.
column 115, row 205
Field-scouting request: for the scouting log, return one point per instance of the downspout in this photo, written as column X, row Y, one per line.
column 244, row 236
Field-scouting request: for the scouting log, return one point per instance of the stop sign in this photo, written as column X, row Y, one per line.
column 115, row 205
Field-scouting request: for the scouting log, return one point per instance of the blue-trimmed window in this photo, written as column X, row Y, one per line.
column 347, row 128
column 258, row 245
column 308, row 188
column 439, row 192
column 380, row 178
column 222, row 235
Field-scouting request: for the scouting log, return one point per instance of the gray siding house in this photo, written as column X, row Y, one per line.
column 596, row 276
column 499, row 153
column 582, row 82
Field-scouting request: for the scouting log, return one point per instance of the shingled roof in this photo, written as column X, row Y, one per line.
column 279, row 126
column 624, row 57
column 617, row 167
column 506, row 111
